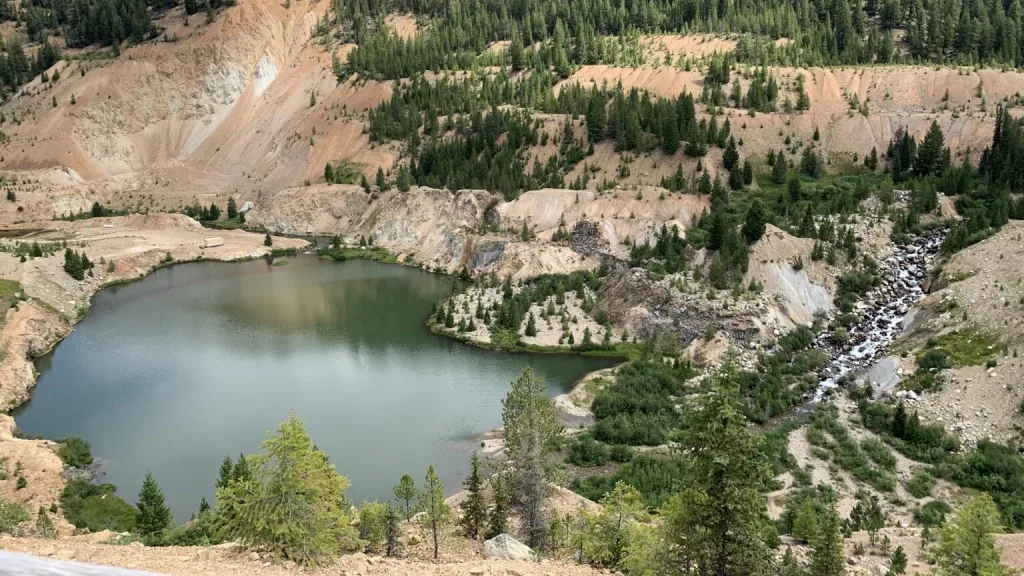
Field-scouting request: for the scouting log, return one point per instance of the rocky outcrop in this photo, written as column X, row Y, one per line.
column 585, row 237
column 506, row 547
column 646, row 307
column 28, row 332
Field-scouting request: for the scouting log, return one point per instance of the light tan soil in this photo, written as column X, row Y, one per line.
column 228, row 560
column 987, row 295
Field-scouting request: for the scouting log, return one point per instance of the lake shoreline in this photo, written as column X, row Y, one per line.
column 133, row 355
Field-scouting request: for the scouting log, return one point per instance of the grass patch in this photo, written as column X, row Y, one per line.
column 374, row 253
column 965, row 347
column 9, row 288
column 11, row 514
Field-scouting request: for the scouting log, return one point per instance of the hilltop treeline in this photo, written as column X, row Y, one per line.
column 560, row 33
column 85, row 22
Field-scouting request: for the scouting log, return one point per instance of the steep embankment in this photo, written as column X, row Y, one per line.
column 478, row 230
column 978, row 318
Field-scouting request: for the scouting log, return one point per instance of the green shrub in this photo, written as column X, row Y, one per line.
column 11, row 514
column 633, row 429
column 879, row 453
column 587, row 452
column 921, row 483
column 992, row 468
column 620, row 453
column 657, row 479
column 75, row 453
column 933, row 513
column 95, row 507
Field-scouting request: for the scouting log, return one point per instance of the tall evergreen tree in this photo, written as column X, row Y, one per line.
column 755, row 224
column 967, row 543
column 474, row 507
column 827, row 556
column 152, row 516
column 726, row 466
column 226, row 467
column 405, row 492
column 437, row 513
column 929, row 153
column 392, row 532
column 497, row 520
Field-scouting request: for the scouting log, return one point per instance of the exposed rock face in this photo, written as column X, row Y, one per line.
column 507, row 547
column 646, row 308
column 585, row 237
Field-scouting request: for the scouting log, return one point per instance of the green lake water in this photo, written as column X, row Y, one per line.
column 198, row 361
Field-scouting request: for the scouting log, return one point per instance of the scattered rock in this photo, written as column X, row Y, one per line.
column 505, row 546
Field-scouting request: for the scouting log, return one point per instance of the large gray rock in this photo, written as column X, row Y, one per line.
column 505, row 546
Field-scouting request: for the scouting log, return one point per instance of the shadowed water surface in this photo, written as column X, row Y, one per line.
column 197, row 361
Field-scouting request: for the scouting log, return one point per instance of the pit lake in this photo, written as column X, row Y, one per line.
column 199, row 361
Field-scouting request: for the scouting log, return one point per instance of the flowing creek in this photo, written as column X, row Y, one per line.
column 883, row 310
column 198, row 361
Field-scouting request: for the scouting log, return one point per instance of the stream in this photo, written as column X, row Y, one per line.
column 882, row 312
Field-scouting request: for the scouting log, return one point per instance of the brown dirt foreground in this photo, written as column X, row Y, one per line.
column 228, row 560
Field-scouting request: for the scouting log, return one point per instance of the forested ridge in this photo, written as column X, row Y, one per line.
column 825, row 32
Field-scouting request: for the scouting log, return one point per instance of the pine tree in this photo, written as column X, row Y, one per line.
column 405, row 492
column 44, row 526
column 225, row 473
column 380, row 179
column 899, row 421
column 754, row 225
column 805, row 524
column 727, row 467
column 497, row 520
column 827, row 556
column 437, row 514
column 871, row 160
column 392, row 532
column 232, row 209
column 898, row 562
column 531, row 326
column 929, row 153
column 241, row 471
column 527, row 406
column 152, row 516
column 731, row 156
column 474, row 507
column 670, row 134
column 779, row 169
column 967, row 543
column 515, row 49
column 609, row 531
column 328, row 173
column 293, row 488
column 748, row 173
column 268, row 241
